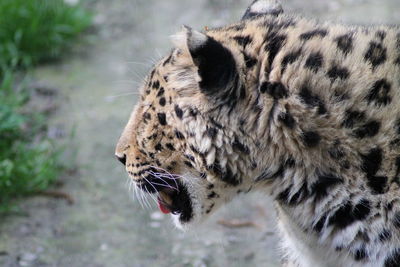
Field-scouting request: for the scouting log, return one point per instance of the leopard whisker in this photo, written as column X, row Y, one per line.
column 131, row 191
column 137, row 75
column 137, row 195
column 166, row 185
column 152, row 196
column 170, row 175
column 127, row 82
column 166, row 171
column 166, row 176
column 142, row 197
column 159, row 176
column 149, row 183
column 138, row 63
column 127, row 182
column 112, row 97
column 147, row 198
column 176, row 187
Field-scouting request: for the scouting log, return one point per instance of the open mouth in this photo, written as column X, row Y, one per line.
column 172, row 197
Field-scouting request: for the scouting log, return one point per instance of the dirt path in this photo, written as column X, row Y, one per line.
column 97, row 92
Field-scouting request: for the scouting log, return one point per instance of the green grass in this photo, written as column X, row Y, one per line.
column 28, row 164
column 31, row 32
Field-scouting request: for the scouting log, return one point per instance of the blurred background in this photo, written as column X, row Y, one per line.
column 69, row 73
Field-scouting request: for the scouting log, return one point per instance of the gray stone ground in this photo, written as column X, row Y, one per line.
column 97, row 91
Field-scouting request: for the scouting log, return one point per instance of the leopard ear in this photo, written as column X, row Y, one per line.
column 263, row 7
column 215, row 63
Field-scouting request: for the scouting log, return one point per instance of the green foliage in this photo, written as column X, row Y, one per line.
column 33, row 31
column 26, row 165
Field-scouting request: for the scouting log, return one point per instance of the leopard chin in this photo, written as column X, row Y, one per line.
column 184, row 204
column 188, row 220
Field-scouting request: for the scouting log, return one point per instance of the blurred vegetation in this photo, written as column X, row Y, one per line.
column 31, row 32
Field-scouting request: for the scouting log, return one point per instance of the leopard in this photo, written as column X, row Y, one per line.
column 304, row 111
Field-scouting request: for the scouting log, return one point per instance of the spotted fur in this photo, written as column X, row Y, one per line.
column 306, row 112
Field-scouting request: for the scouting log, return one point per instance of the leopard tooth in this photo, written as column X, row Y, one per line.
column 166, row 198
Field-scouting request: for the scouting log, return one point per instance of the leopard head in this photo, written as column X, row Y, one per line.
column 184, row 142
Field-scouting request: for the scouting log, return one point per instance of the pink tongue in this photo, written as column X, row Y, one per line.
column 163, row 208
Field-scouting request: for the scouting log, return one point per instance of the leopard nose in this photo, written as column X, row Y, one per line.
column 121, row 158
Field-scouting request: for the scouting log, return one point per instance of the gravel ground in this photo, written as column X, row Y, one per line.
column 97, row 89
